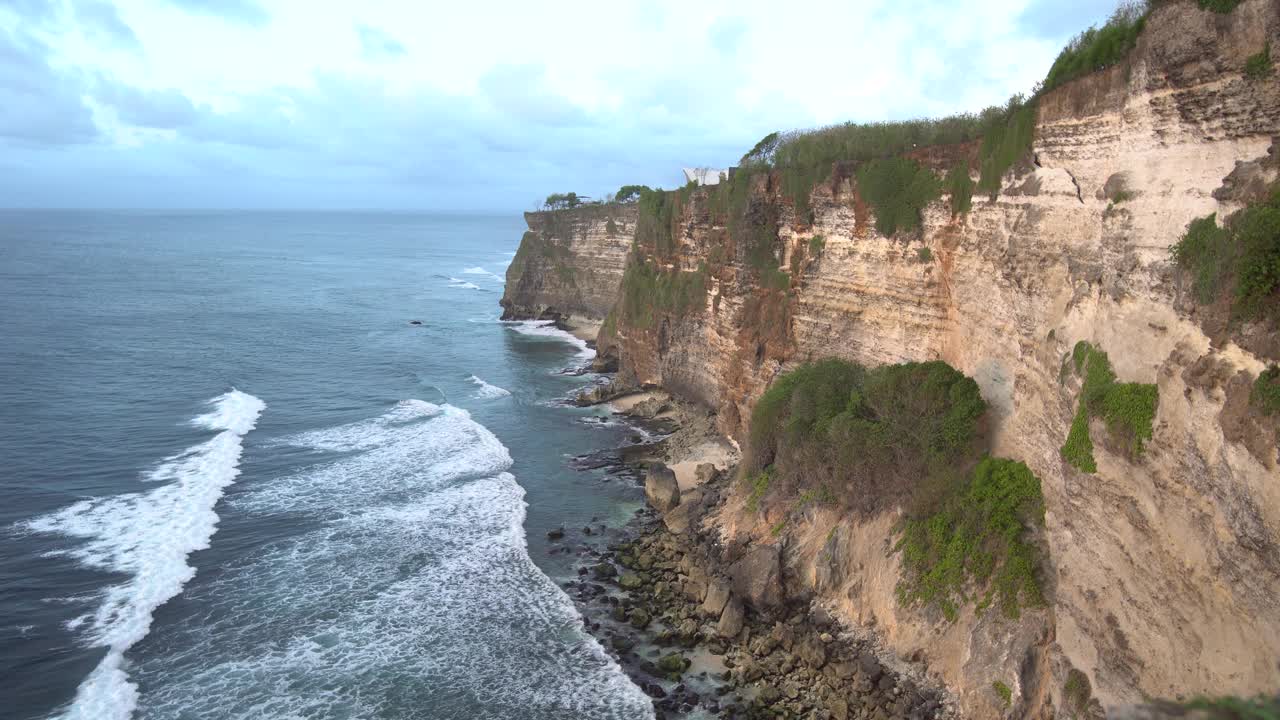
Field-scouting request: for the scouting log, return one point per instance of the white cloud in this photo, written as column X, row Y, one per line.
column 421, row 97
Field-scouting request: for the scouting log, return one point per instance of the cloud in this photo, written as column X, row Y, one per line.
column 101, row 21
column 165, row 109
column 248, row 12
column 377, row 44
column 41, row 106
column 1055, row 20
column 726, row 34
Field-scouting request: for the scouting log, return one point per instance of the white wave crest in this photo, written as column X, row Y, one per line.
column 462, row 284
column 548, row 329
column 149, row 535
column 482, row 271
column 487, row 391
column 411, row 587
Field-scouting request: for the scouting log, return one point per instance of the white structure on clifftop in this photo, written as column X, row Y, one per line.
column 704, row 176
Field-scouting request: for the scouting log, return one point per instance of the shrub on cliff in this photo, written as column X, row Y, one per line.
column 871, row 439
column 648, row 293
column 872, row 436
column 1266, row 391
column 1129, row 409
column 1240, row 260
column 898, row 190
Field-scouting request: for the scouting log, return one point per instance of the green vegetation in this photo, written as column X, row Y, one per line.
column 1006, row 139
column 1219, row 6
column 1258, row 65
column 979, row 537
column 759, row 486
column 611, row 227
column 1205, row 251
column 1266, row 391
column 1122, row 196
column 816, row 244
column 562, row 201
column 924, row 255
column 631, row 193
column 870, row 438
column 648, row 291
column 1237, row 708
column 1076, row 691
column 838, row 424
column 1241, row 260
column 1004, row 692
column 1129, row 409
column 1078, row 450
column 658, row 212
column 898, row 189
column 763, row 150
column 960, row 187
column 1098, row 48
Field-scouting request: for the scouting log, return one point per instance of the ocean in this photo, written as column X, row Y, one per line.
column 239, row 483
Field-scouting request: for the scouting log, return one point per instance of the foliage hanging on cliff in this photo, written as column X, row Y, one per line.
column 1129, row 409
column 648, row 293
column 960, row 187
column 1266, row 391
column 872, row 436
column 1241, row 260
column 898, row 190
column 654, row 224
column 871, row 439
column 1006, row 139
column 980, row 540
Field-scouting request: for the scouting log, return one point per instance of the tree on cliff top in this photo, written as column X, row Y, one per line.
column 562, row 201
column 631, row 193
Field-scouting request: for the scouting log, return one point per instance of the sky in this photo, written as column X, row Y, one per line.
column 468, row 106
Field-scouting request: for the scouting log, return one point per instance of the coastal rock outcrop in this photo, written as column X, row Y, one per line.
column 569, row 263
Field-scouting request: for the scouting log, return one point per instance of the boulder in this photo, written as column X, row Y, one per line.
column 731, row 619
column 661, row 488
column 812, row 652
column 705, row 473
column 630, row 581
column 717, row 597
column 757, row 577
column 685, row 515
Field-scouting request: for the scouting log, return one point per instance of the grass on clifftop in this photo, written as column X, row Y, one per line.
column 1129, row 409
column 911, row 434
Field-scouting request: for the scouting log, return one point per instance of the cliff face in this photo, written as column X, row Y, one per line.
column 570, row 263
column 1163, row 572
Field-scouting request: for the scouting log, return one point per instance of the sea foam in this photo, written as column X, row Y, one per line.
column 487, row 391
column 148, row 535
column 548, row 329
column 408, row 592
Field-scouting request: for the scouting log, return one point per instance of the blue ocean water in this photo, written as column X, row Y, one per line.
column 238, row 483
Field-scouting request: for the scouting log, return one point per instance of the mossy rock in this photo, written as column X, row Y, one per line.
column 631, row 581
column 673, row 663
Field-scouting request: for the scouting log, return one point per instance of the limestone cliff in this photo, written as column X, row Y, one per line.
column 569, row 263
column 1163, row 572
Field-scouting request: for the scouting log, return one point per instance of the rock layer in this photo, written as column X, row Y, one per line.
column 570, row 263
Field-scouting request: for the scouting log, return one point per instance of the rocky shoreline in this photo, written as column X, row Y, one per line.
column 705, row 630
